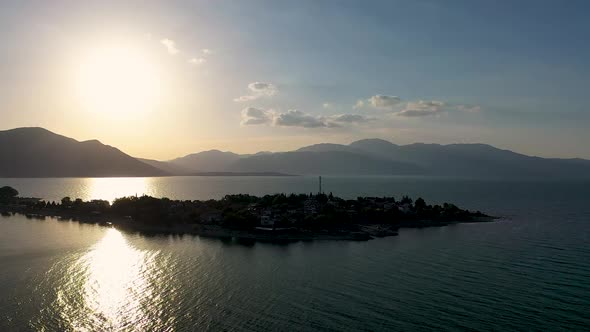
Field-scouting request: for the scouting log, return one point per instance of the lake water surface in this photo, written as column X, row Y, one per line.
column 531, row 271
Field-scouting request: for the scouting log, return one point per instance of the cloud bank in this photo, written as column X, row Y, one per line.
column 419, row 108
column 296, row 118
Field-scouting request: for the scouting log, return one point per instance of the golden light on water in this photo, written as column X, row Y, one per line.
column 107, row 286
column 111, row 188
column 116, row 277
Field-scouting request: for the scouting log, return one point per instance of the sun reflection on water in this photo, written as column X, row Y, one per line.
column 111, row 188
column 116, row 278
column 108, row 287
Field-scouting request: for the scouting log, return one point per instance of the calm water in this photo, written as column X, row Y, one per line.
column 529, row 272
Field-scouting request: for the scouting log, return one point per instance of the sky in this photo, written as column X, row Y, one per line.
column 162, row 79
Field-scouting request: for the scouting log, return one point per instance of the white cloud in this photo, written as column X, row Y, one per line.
column 206, row 51
column 267, row 89
column 422, row 108
column 418, row 108
column 327, row 105
column 295, row 118
column 381, row 102
column 197, row 61
column 256, row 116
column 384, row 102
column 258, row 90
column 170, row 46
column 349, row 118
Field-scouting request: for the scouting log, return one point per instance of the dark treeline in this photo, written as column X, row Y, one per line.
column 242, row 211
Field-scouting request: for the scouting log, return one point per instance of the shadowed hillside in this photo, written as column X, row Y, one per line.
column 37, row 152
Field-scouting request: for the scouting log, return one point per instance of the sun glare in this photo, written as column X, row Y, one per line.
column 112, row 188
column 118, row 80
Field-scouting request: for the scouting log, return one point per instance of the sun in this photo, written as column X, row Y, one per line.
column 118, row 81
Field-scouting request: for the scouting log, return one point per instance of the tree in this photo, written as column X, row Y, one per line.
column 66, row 201
column 406, row 200
column 420, row 204
column 9, row 192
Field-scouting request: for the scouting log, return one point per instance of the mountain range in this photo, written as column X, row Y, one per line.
column 37, row 152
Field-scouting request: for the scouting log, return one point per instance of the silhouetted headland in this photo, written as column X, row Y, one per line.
column 277, row 217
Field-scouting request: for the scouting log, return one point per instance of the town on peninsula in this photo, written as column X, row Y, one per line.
column 276, row 217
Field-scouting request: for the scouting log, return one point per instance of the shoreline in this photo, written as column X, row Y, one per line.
column 273, row 218
column 364, row 232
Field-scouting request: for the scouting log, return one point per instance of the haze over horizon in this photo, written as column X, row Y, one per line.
column 166, row 79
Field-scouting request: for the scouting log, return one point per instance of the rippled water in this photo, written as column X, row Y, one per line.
column 529, row 272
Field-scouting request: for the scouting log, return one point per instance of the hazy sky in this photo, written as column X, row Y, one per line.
column 166, row 78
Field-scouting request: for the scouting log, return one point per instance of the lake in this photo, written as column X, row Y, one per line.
column 530, row 271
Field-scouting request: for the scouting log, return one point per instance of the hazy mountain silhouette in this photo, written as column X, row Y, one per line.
column 37, row 152
column 328, row 147
column 374, row 145
column 377, row 156
column 167, row 167
column 326, row 162
column 207, row 161
column 473, row 160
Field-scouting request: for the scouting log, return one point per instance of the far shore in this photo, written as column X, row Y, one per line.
column 278, row 217
column 239, row 174
column 365, row 233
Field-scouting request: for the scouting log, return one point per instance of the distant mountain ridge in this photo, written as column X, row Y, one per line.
column 326, row 162
column 206, row 161
column 37, row 152
column 380, row 157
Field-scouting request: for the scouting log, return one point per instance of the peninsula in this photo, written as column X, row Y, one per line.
column 276, row 217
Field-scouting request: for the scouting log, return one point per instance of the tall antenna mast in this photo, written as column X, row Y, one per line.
column 320, row 184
